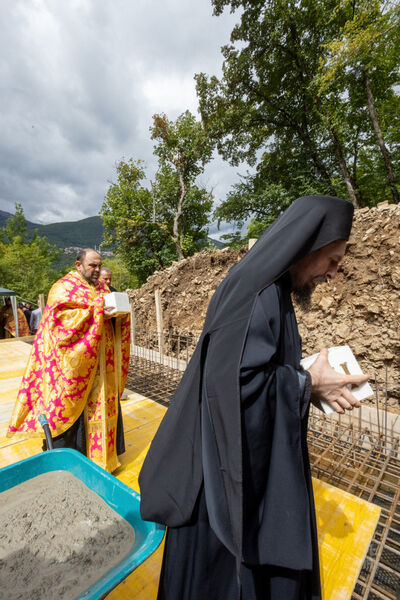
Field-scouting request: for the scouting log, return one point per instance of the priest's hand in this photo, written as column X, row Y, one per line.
column 107, row 312
column 333, row 387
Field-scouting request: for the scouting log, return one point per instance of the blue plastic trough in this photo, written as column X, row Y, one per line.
column 117, row 495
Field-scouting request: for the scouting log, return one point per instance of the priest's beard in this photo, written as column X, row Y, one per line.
column 302, row 294
column 302, row 297
column 90, row 277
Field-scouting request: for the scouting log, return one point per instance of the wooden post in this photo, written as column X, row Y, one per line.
column 252, row 241
column 159, row 318
column 42, row 303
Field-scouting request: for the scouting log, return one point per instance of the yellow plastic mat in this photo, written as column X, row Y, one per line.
column 345, row 523
column 14, row 356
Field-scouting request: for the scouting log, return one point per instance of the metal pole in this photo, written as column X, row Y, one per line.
column 386, row 402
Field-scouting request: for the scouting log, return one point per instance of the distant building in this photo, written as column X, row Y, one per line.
column 75, row 250
column 72, row 250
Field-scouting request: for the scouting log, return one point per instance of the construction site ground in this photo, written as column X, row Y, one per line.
column 365, row 478
column 361, row 308
column 355, row 459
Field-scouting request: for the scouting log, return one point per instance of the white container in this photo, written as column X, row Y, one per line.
column 342, row 359
column 120, row 302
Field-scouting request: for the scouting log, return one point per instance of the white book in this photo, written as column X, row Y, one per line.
column 120, row 301
column 342, row 359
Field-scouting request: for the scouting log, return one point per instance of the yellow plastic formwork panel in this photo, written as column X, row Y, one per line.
column 142, row 584
column 13, row 358
column 346, row 525
column 141, row 420
column 14, row 451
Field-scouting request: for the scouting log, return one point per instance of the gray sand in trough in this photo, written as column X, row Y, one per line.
column 57, row 537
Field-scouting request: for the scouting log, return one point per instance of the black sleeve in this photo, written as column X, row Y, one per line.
column 261, row 350
column 274, row 397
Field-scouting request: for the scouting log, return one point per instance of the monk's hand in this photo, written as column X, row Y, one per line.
column 107, row 312
column 334, row 387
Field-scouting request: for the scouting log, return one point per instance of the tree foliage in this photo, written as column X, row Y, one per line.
column 292, row 101
column 26, row 264
column 121, row 277
column 184, row 147
column 362, row 66
column 152, row 223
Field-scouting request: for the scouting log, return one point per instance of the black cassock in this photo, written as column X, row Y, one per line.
column 227, row 470
column 276, row 479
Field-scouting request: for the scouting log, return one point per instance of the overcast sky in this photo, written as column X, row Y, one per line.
column 80, row 81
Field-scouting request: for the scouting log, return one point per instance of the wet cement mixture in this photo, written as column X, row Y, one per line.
column 57, row 537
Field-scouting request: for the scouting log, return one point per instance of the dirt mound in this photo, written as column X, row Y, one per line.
column 186, row 288
column 360, row 307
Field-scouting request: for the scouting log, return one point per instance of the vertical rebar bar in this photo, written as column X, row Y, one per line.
column 386, row 402
column 377, row 410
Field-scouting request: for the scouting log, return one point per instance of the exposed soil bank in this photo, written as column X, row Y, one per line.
column 361, row 307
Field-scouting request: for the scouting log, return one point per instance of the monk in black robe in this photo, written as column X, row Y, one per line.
column 228, row 469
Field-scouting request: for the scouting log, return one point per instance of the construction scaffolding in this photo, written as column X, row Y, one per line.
column 358, row 452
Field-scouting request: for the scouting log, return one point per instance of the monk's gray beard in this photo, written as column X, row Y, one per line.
column 302, row 297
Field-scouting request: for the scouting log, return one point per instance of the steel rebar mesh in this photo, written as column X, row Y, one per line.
column 359, row 454
column 158, row 362
column 365, row 466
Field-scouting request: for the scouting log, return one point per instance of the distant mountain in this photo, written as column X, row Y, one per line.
column 216, row 243
column 3, row 217
column 84, row 233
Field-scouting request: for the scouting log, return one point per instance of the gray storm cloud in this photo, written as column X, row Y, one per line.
column 79, row 86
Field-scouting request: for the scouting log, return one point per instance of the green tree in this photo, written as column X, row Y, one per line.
column 26, row 264
column 264, row 202
column 152, row 223
column 362, row 63
column 264, row 99
column 269, row 109
column 183, row 146
column 122, row 278
column 132, row 223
